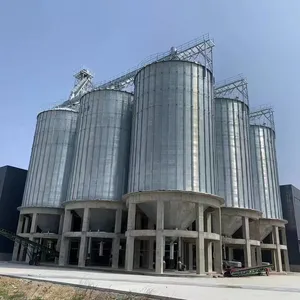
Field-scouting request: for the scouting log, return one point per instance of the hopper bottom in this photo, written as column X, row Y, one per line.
column 177, row 215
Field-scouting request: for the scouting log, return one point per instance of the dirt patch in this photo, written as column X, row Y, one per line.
column 24, row 289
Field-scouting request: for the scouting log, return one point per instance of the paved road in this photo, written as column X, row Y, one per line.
column 254, row 288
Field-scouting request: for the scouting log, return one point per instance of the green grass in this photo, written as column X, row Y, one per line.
column 5, row 296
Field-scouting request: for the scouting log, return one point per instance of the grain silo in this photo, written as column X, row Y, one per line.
column 234, row 174
column 48, row 175
column 98, row 177
column 171, row 173
column 266, row 186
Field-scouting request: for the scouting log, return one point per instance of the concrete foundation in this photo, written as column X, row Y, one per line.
column 240, row 230
column 42, row 225
column 205, row 235
column 91, row 233
column 273, row 240
column 214, row 234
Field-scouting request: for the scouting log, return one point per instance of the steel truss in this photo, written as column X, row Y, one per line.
column 199, row 50
column 263, row 116
column 233, row 88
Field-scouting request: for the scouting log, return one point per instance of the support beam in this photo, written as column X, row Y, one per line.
column 116, row 240
column 160, row 240
column 130, row 240
column 191, row 256
column 253, row 256
column 217, row 254
column 16, row 245
column 83, row 240
column 259, row 256
column 200, row 253
column 278, row 249
column 217, row 245
column 65, row 242
column 209, row 259
column 286, row 261
column 247, row 247
column 137, row 243
column 150, row 248
column 33, row 223
column 285, row 252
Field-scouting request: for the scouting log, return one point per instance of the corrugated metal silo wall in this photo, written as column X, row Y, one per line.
column 234, row 178
column 173, row 126
column 290, row 198
column 51, row 159
column 265, row 171
column 100, row 170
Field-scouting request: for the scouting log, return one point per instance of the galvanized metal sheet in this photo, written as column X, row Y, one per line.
column 51, row 159
column 234, row 177
column 265, row 171
column 100, row 170
column 172, row 135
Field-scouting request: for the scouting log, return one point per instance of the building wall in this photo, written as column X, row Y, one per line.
column 12, row 182
column 290, row 198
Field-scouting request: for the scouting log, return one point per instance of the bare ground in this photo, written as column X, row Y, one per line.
column 24, row 289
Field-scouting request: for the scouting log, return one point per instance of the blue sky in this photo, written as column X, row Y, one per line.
column 43, row 43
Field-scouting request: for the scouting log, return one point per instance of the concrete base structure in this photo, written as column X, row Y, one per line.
column 92, row 233
column 203, row 240
column 240, row 231
column 41, row 225
column 273, row 240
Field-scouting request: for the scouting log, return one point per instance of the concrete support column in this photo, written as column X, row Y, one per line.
column 83, row 241
column 16, row 245
column 191, row 267
column 61, row 224
column 130, row 240
column 25, row 230
column 278, row 250
column 283, row 235
column 60, row 231
column 253, row 256
column 160, row 240
column 285, row 252
column 150, row 248
column 200, row 253
column 230, row 253
column 33, row 223
column 217, row 228
column 258, row 249
column 247, row 247
column 32, row 230
column 180, row 248
column 209, row 259
column 26, row 223
column 258, row 256
column 65, row 243
column 27, row 259
column 286, row 260
column 137, row 242
column 150, row 254
column 116, row 240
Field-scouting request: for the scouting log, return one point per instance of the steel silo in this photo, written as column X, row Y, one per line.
column 172, row 134
column 51, row 159
column 265, row 171
column 102, row 146
column 234, row 177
